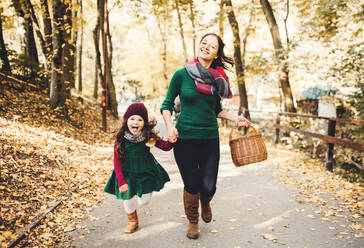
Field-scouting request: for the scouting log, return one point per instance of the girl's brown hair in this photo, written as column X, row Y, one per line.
column 148, row 130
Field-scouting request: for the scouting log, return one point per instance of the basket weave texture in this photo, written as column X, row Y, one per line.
column 247, row 149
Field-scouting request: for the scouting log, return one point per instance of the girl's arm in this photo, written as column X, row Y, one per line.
column 164, row 145
column 117, row 168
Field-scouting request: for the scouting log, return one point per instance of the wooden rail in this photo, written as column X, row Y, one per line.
column 329, row 138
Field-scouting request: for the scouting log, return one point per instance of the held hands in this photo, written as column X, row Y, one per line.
column 123, row 188
column 241, row 121
column 172, row 134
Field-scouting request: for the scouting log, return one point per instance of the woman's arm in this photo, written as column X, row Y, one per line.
column 168, row 103
column 240, row 121
column 171, row 130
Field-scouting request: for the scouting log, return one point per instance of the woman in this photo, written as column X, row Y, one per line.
column 200, row 86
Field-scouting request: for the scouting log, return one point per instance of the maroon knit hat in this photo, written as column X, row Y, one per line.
column 137, row 108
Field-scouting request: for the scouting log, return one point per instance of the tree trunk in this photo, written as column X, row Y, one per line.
column 75, row 28
column 221, row 19
column 112, row 102
column 181, row 31
column 30, row 8
column 193, row 28
column 164, row 41
column 30, row 49
column 57, row 85
column 239, row 68
column 279, row 52
column 80, row 49
column 47, row 30
column 69, row 48
column 96, row 35
column 3, row 52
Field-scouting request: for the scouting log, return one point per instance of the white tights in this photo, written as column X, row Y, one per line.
column 130, row 204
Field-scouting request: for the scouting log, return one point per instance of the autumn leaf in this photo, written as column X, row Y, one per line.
column 270, row 237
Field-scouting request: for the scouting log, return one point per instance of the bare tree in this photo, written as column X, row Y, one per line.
column 59, row 91
column 181, row 29
column 96, row 36
column 112, row 103
column 192, row 18
column 280, row 55
column 30, row 49
column 161, row 10
column 221, row 19
column 47, row 30
column 239, row 66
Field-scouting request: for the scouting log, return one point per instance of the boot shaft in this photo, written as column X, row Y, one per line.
column 191, row 204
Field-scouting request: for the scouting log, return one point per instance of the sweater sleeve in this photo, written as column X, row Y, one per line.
column 164, row 145
column 173, row 91
column 117, row 168
column 218, row 107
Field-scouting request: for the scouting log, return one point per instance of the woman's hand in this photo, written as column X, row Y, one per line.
column 172, row 134
column 241, row 121
column 123, row 188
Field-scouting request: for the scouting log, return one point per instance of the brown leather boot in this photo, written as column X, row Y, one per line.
column 206, row 213
column 191, row 203
column 133, row 223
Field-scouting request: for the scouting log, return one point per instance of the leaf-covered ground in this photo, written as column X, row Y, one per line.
column 44, row 159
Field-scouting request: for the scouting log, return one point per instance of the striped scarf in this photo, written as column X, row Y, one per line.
column 209, row 81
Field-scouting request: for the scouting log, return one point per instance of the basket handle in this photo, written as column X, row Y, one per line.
column 250, row 125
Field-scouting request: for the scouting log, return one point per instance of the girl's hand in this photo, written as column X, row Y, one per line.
column 241, row 121
column 172, row 134
column 123, row 188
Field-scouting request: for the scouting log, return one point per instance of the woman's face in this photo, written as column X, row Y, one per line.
column 208, row 48
column 135, row 124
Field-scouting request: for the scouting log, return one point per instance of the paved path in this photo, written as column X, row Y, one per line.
column 251, row 208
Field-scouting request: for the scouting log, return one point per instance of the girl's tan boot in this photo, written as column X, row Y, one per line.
column 133, row 223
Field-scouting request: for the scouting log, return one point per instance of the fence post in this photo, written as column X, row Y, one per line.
column 330, row 147
column 244, row 114
column 278, row 121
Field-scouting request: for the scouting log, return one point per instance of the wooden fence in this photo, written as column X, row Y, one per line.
column 330, row 138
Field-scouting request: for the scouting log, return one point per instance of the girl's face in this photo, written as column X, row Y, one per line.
column 135, row 124
column 208, row 48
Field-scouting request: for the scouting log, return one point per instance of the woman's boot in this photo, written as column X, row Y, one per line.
column 133, row 223
column 206, row 213
column 191, row 203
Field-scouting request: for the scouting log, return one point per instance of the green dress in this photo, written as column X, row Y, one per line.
column 141, row 171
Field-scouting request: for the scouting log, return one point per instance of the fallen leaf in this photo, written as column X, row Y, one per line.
column 270, row 237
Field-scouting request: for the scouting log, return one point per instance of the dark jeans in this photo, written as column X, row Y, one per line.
column 198, row 163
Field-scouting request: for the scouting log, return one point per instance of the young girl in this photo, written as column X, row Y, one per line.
column 136, row 172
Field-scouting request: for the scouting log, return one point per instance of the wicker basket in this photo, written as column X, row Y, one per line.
column 247, row 149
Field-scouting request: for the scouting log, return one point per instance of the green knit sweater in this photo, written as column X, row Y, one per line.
column 197, row 119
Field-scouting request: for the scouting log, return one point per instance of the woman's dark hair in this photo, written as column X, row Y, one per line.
column 221, row 59
column 147, row 129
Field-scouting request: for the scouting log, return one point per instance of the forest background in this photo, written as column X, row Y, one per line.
column 52, row 70
column 280, row 48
